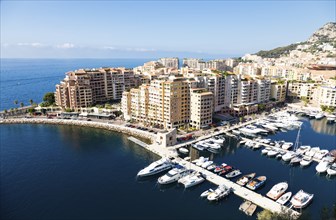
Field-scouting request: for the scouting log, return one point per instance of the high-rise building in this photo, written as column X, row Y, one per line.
column 171, row 62
column 201, row 102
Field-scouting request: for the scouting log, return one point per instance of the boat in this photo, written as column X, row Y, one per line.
column 257, row 146
column 273, row 152
column 206, row 193
column 236, row 132
column 219, row 193
column 256, row 182
column 265, row 150
column 233, row 174
column 192, row 179
column 306, row 161
column 248, row 208
column 301, row 199
column 288, row 156
column 331, row 118
column 277, row 190
column 287, row 145
column 245, row 179
column 280, row 154
column 226, row 169
column 319, row 116
column 199, row 147
column 183, row 150
column 284, row 198
column 320, row 154
column 198, row 159
column 295, row 160
column 156, row 167
column 211, row 167
column 207, row 163
column 303, row 149
column 331, row 171
column 322, row 166
column 202, row 160
column 312, row 151
column 220, row 168
column 174, row 175
column 217, row 141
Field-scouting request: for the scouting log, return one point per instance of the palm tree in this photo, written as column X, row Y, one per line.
column 21, row 104
column 16, row 102
column 31, row 101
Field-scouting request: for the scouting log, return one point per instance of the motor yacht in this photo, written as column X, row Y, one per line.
column 287, row 145
column 225, row 170
column 277, row 190
column 306, row 161
column 331, row 171
column 284, row 198
column 245, row 179
column 192, row 179
column 217, row 141
column 183, row 150
column 323, row 166
column 331, row 118
column 206, row 193
column 233, row 174
column 156, row 167
column 211, row 167
column 273, row 152
column 202, row 160
column 256, row 182
column 219, row 193
column 257, row 146
column 174, row 175
column 319, row 116
column 220, row 168
column 296, row 160
column 265, row 150
column 288, row 156
column 212, row 146
column 301, row 199
column 320, row 154
column 199, row 146
column 312, row 151
column 303, row 149
column 280, row 154
column 207, row 163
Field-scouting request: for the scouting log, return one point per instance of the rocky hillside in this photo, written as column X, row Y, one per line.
column 322, row 44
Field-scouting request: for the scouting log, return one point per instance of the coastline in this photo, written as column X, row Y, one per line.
column 91, row 124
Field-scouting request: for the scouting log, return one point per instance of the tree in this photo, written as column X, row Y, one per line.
column 16, row 102
column 21, row 104
column 49, row 98
column 323, row 107
column 31, row 101
column 31, row 110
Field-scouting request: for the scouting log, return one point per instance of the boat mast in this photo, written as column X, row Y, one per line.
column 296, row 146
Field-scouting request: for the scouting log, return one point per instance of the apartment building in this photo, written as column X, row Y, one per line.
column 201, row 102
column 191, row 62
column 85, row 87
column 278, row 92
column 172, row 62
column 327, row 95
column 302, row 89
column 264, row 90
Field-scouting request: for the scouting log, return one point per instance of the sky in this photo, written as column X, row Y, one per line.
column 146, row 29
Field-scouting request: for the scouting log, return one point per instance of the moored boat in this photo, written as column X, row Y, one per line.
column 306, row 161
column 219, row 193
column 331, row 171
column 211, row 167
column 233, row 174
column 322, row 166
column 156, row 167
column 226, row 169
column 284, row 198
column 192, row 179
column 296, row 160
column 256, row 182
column 245, row 179
column 206, row 193
column 301, row 199
column 183, row 150
column 174, row 175
column 277, row 190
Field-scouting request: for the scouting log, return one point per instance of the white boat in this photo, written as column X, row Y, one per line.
column 219, row 193
column 198, row 159
column 331, row 171
column 270, row 127
column 183, row 150
column 233, row 174
column 207, row 163
column 322, row 166
column 331, row 118
column 277, row 190
column 306, row 161
column 295, row 160
column 174, row 175
column 156, row 167
column 320, row 154
column 212, row 146
column 312, row 151
column 217, row 141
column 301, row 199
column 245, row 179
column 199, row 146
column 257, row 146
column 265, row 150
column 256, row 182
column 272, row 152
column 206, row 193
column 202, row 160
column 284, row 198
column 303, row 149
column 280, row 154
column 287, row 145
column 288, row 156
column 319, row 115
column 236, row 132
column 192, row 179
column 211, row 167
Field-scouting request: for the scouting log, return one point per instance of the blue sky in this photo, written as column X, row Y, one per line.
column 142, row 29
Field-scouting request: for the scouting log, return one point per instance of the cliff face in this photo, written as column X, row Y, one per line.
column 327, row 33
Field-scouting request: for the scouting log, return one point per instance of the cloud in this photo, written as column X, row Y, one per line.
column 65, row 46
column 140, row 49
column 109, row 48
column 30, row 44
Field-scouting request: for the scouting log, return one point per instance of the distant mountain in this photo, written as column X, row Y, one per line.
column 321, row 43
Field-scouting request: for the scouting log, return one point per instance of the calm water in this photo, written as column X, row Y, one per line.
column 25, row 79
column 67, row 172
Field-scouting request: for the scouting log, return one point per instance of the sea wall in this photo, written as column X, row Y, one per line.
column 91, row 124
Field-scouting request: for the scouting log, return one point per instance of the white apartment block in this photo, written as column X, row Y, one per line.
column 172, row 62
column 327, row 95
column 300, row 89
column 278, row 92
column 200, row 108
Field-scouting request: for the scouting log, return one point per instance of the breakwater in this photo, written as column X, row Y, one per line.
column 91, row 124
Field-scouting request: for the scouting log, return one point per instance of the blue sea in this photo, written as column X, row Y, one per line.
column 68, row 172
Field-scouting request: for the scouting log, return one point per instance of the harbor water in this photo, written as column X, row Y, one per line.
column 69, row 172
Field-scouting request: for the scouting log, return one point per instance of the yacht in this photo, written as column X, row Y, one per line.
column 233, row 174
column 306, row 161
column 245, row 179
column 284, row 198
column 156, row 167
column 236, row 132
column 211, row 167
column 320, row 154
column 303, row 149
column 220, row 168
column 301, row 199
column 192, row 179
column 174, row 175
column 312, row 151
column 277, row 190
column 202, row 160
column 266, row 150
column 217, row 141
column 227, row 169
column 199, row 146
column 295, row 160
column 256, row 182
column 331, row 118
column 319, row 116
column 212, row 146
column 198, row 159
column 287, row 145
column 183, row 150
column 280, row 154
column 331, row 171
column 206, row 193
column 207, row 163
column 270, row 127
column 323, row 166
column 288, row 156
column 219, row 193
column 257, row 146
column 273, row 152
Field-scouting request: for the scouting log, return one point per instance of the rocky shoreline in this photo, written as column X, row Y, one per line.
column 92, row 124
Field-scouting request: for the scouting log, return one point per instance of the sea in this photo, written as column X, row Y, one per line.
column 71, row 172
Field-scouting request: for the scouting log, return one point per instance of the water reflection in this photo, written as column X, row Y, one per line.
column 321, row 126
